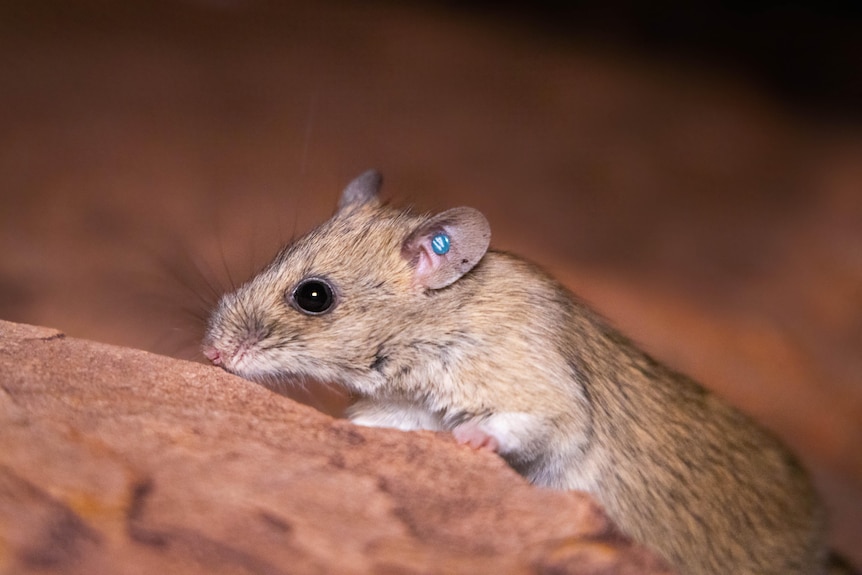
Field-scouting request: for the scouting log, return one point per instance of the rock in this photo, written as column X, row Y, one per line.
column 114, row 460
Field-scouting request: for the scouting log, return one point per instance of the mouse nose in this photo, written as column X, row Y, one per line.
column 213, row 354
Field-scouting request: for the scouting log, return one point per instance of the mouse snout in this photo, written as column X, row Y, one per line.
column 213, row 354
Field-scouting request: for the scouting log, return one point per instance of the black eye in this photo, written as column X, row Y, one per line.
column 313, row 296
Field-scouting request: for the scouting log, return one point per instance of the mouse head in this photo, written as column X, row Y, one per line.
column 330, row 301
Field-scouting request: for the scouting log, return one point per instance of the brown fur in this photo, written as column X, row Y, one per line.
column 506, row 350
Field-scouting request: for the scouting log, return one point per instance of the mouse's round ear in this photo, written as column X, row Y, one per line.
column 446, row 247
column 362, row 190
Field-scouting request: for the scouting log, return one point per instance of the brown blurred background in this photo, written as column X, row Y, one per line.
column 694, row 170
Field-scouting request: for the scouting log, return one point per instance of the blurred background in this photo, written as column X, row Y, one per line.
column 692, row 169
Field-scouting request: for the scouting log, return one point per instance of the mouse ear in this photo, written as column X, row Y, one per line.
column 446, row 247
column 362, row 190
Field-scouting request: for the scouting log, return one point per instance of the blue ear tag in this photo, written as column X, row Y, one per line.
column 440, row 244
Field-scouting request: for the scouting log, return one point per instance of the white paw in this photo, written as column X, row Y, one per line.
column 472, row 435
column 403, row 416
column 502, row 432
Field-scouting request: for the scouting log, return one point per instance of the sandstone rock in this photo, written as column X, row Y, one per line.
column 114, row 460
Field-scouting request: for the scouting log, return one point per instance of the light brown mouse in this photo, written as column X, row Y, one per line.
column 415, row 316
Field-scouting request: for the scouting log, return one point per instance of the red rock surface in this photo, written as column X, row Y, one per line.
column 151, row 150
column 114, row 460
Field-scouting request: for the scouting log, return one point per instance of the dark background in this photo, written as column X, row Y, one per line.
column 693, row 169
column 806, row 54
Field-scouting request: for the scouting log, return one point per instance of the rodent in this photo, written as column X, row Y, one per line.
column 478, row 342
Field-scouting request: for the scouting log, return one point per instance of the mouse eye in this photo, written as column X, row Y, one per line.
column 313, row 296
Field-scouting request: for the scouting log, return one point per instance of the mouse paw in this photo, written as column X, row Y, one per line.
column 471, row 435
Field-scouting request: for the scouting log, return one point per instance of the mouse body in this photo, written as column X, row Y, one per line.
column 430, row 329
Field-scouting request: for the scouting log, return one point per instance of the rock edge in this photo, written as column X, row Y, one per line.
column 115, row 460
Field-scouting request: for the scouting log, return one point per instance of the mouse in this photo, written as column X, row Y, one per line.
column 427, row 327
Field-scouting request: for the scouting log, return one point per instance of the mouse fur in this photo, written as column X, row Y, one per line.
column 488, row 346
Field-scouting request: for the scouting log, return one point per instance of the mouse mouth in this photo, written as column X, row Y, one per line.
column 245, row 355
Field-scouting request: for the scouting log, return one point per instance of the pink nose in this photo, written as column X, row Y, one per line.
column 213, row 355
